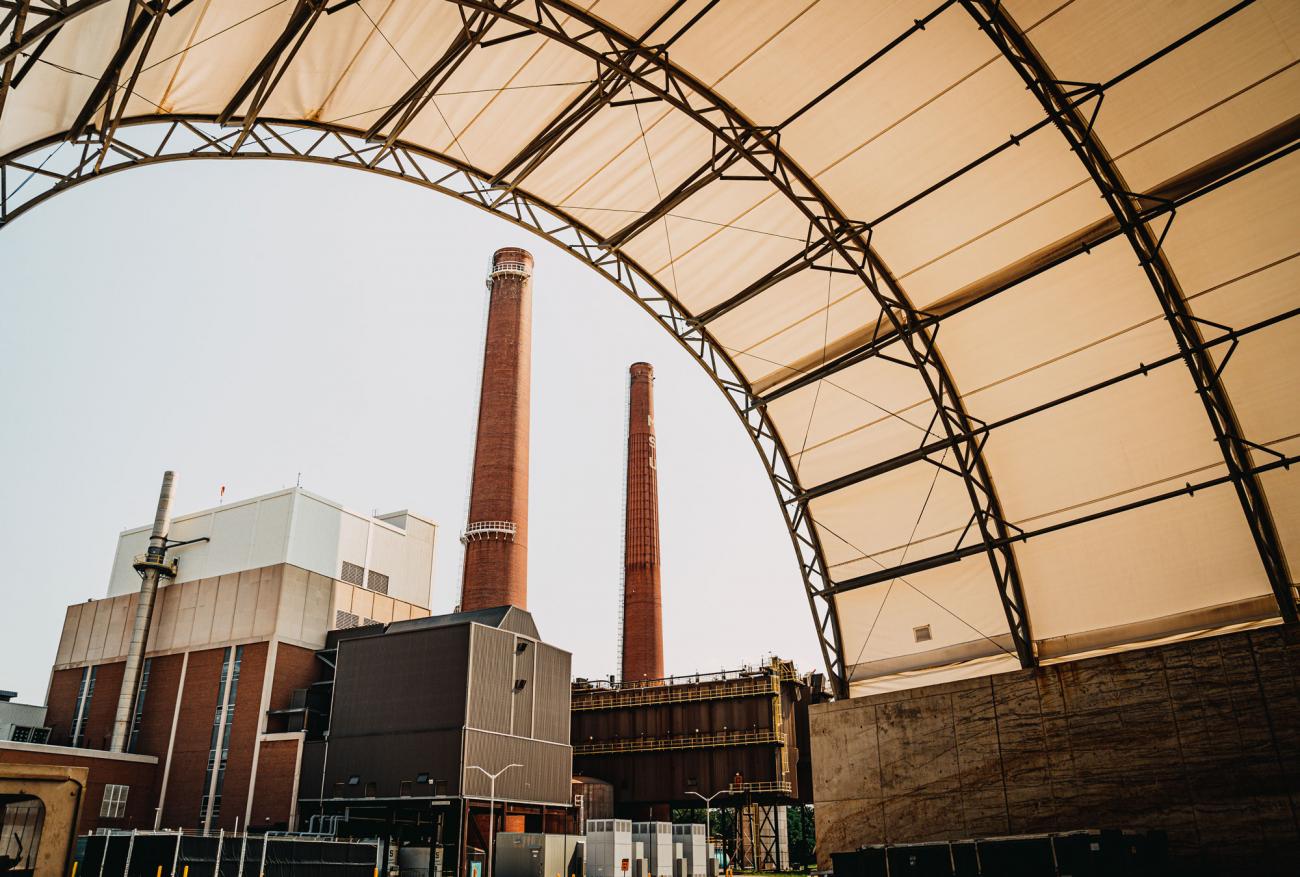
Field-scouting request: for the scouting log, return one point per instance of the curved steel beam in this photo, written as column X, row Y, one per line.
column 32, row 176
column 830, row 234
column 47, row 28
column 1129, row 211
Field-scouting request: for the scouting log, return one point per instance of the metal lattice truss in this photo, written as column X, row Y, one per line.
column 809, row 201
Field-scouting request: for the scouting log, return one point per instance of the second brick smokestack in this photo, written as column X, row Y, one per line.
column 496, row 535
column 643, row 635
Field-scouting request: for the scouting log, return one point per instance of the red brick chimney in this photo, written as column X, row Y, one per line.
column 496, row 535
column 643, row 634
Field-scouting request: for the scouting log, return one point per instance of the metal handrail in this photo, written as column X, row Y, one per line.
column 507, row 269
column 738, row 788
column 483, row 530
column 693, row 741
column 588, row 699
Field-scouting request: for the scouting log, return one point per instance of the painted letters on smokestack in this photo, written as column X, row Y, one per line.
column 496, row 535
column 643, row 636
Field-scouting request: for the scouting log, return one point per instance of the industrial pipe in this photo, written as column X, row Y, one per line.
column 152, row 567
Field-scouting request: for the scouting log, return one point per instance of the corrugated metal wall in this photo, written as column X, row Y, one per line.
column 674, row 719
column 492, row 667
column 551, row 716
column 400, row 682
column 389, row 760
column 524, row 697
column 544, row 775
column 405, row 703
column 520, row 621
column 660, row 777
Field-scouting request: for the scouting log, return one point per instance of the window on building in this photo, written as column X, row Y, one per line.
column 345, row 620
column 81, row 709
column 353, row 574
column 219, row 748
column 139, row 704
column 114, row 806
column 378, row 582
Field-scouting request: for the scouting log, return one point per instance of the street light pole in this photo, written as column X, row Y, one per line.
column 708, row 810
column 492, row 807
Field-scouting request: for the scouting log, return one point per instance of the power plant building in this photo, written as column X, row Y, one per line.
column 271, row 664
column 740, row 737
column 420, row 713
column 233, row 635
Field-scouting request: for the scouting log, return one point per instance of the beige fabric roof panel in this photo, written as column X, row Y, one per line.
column 1158, row 561
column 884, row 620
column 899, row 124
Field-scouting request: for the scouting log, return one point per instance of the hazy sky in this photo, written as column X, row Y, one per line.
column 244, row 322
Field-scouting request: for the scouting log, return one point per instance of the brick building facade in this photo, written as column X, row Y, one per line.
column 224, row 658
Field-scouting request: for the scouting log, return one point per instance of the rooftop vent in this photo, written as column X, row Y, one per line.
column 353, row 574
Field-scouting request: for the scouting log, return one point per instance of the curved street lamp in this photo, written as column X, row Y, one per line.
column 492, row 807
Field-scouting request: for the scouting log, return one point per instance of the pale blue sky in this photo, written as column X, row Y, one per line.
column 243, row 322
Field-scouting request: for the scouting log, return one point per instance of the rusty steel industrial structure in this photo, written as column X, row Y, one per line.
column 743, row 149
column 643, row 626
column 496, row 534
column 661, row 741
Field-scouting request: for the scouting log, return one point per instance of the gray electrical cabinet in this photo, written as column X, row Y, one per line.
column 531, row 854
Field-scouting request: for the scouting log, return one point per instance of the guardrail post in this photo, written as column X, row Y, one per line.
column 130, row 848
column 176, row 854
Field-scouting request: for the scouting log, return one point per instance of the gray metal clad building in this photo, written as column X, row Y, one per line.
column 414, row 705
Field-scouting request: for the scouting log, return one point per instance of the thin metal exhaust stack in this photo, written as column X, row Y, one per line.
column 152, row 567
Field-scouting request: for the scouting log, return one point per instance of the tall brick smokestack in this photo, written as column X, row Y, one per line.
column 643, row 633
column 496, row 535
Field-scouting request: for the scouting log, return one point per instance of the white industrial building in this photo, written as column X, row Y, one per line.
column 21, row 722
column 390, row 554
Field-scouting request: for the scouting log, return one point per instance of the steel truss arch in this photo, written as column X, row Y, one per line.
column 52, row 18
column 1060, row 102
column 623, row 62
column 830, row 234
column 32, row 176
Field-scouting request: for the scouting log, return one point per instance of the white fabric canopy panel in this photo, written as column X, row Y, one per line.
column 1003, row 293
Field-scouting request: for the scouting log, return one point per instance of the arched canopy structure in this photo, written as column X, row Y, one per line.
column 1003, row 292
